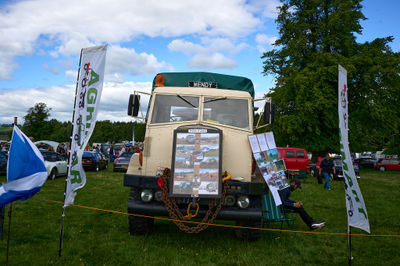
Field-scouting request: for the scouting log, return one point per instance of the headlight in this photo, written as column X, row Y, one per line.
column 146, row 195
column 158, row 195
column 243, row 202
column 230, row 200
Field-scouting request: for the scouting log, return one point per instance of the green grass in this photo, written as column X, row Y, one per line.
column 102, row 238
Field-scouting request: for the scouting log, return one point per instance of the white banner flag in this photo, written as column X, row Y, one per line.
column 356, row 211
column 89, row 89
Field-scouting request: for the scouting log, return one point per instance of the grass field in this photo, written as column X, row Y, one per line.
column 102, row 238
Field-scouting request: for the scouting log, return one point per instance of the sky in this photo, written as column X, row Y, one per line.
column 40, row 43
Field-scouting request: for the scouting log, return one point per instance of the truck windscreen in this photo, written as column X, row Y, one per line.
column 174, row 108
column 231, row 112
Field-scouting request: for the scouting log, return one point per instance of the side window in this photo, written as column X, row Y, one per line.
column 300, row 154
column 289, row 154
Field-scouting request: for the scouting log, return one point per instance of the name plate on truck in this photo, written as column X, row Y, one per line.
column 196, row 163
column 203, row 84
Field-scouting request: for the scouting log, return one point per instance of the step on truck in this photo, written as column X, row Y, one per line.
column 196, row 162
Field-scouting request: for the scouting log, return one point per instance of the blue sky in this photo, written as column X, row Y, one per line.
column 41, row 42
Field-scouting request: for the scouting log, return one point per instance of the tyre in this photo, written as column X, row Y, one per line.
column 53, row 174
column 382, row 168
column 245, row 234
column 139, row 225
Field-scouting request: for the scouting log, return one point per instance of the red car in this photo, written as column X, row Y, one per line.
column 388, row 164
column 295, row 159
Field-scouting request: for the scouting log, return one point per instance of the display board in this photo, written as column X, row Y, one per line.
column 196, row 163
column 271, row 167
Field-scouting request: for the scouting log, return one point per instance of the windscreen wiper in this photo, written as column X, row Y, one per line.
column 186, row 101
column 214, row 100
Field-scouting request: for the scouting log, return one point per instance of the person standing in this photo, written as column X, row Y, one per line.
column 326, row 169
column 319, row 177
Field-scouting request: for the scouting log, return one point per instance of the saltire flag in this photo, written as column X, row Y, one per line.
column 26, row 172
column 87, row 98
column 356, row 211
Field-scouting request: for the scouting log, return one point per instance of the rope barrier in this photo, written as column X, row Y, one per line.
column 217, row 225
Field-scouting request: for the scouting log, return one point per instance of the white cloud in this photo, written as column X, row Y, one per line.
column 120, row 60
column 267, row 8
column 66, row 26
column 113, row 104
column 53, row 70
column 262, row 40
column 213, row 61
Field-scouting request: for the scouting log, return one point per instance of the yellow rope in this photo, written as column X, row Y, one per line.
column 218, row 225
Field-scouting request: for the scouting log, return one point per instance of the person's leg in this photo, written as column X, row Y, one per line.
column 326, row 176
column 303, row 214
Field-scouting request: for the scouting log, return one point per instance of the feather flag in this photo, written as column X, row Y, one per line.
column 26, row 172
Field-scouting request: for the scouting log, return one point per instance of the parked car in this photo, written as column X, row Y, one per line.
column 388, row 164
column 365, row 162
column 92, row 160
column 55, row 164
column 296, row 160
column 122, row 162
column 3, row 163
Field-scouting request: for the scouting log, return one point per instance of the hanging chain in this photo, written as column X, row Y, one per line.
column 175, row 213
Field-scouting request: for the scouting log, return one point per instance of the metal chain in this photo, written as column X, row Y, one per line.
column 175, row 213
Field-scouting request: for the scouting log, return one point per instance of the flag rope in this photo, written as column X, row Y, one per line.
column 217, row 225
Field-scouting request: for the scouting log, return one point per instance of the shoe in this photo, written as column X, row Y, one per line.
column 317, row 225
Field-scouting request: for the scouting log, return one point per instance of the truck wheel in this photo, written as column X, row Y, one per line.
column 245, row 234
column 382, row 168
column 140, row 225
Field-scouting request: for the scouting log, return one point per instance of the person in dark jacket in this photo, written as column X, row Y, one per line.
column 327, row 167
column 298, row 206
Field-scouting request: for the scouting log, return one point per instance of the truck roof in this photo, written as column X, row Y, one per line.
column 227, row 82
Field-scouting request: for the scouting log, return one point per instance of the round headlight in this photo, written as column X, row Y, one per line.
column 243, row 201
column 146, row 195
column 158, row 195
column 230, row 200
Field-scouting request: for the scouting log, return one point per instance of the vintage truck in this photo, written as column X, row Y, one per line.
column 197, row 127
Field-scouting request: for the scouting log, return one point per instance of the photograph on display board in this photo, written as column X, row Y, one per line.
column 277, row 180
column 188, row 138
column 273, row 155
column 210, row 188
column 184, row 150
column 279, row 166
column 210, row 139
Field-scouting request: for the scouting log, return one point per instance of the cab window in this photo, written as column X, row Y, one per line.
column 231, row 112
column 300, row 154
column 174, row 108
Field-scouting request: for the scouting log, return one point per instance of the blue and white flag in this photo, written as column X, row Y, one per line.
column 26, row 172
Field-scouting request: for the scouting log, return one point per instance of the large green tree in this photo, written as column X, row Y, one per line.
column 35, row 121
column 314, row 37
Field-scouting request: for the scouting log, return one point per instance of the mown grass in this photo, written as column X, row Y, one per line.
column 102, row 238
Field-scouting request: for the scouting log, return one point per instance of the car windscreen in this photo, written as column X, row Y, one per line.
column 231, row 112
column 174, row 108
column 88, row 155
column 126, row 155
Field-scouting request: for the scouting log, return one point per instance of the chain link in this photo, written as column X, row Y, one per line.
column 175, row 213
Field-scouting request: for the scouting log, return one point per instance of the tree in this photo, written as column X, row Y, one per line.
column 35, row 121
column 316, row 36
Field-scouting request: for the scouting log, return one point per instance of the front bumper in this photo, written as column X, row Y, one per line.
column 253, row 190
column 226, row 213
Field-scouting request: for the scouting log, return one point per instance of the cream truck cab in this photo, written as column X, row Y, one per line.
column 197, row 127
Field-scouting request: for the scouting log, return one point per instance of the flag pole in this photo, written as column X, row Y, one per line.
column 10, row 211
column 349, row 240
column 69, row 161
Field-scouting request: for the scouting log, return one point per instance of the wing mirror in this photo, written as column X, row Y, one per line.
column 133, row 106
column 269, row 112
